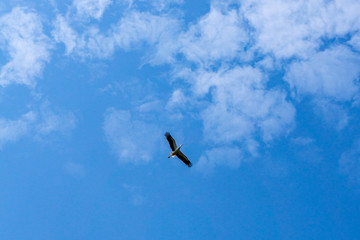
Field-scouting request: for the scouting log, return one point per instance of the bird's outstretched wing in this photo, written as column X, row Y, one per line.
column 171, row 141
column 183, row 158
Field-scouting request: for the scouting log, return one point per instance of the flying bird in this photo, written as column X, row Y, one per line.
column 176, row 150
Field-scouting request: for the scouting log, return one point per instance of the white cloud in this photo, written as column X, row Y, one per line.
column 177, row 104
column 302, row 141
column 132, row 30
column 355, row 41
column 289, row 28
column 64, row 33
column 22, row 37
column 333, row 115
column 241, row 106
column 54, row 122
column 150, row 106
column 216, row 36
column 213, row 56
column 40, row 123
column 177, row 99
column 91, row 8
column 331, row 73
column 12, row 130
column 227, row 156
column 141, row 27
column 349, row 163
column 158, row 5
column 162, row 5
column 133, row 141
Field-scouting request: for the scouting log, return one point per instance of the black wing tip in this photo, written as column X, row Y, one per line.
column 189, row 165
column 167, row 134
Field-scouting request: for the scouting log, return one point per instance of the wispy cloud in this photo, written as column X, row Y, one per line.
column 349, row 163
column 333, row 115
column 91, row 8
column 64, row 33
column 132, row 140
column 227, row 156
column 331, row 73
column 137, row 198
column 355, row 41
column 41, row 123
column 303, row 141
column 75, row 169
column 51, row 121
column 161, row 5
column 132, row 30
column 12, row 130
column 28, row 48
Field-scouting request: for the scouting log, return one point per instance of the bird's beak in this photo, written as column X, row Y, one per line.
column 169, row 156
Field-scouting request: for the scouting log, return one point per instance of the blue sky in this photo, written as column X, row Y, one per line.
column 264, row 95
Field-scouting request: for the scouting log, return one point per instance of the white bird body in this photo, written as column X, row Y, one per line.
column 176, row 150
column 173, row 153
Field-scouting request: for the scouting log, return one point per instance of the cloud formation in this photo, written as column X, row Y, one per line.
column 224, row 61
column 218, row 36
column 222, row 156
column 40, row 123
column 12, row 130
column 132, row 140
column 296, row 28
column 330, row 73
column 51, row 121
column 241, row 105
column 134, row 29
column 91, row 8
column 349, row 163
column 28, row 48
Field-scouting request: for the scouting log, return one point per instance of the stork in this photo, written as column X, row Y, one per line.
column 176, row 150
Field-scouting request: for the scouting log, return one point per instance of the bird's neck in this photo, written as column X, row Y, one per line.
column 178, row 149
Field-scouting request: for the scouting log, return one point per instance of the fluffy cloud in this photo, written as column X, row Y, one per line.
column 241, row 105
column 238, row 107
column 22, row 37
column 91, row 8
column 216, row 36
column 133, row 141
column 296, row 28
column 331, row 73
